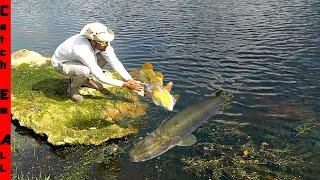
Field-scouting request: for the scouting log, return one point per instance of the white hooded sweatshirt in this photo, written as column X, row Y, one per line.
column 78, row 48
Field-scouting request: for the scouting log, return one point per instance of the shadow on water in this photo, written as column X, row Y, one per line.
column 287, row 109
column 41, row 139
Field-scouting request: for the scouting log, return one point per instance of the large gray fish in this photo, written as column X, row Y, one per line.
column 177, row 130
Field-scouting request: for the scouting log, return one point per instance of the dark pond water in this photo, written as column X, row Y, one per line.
column 266, row 52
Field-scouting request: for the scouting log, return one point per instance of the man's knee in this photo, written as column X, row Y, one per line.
column 83, row 72
column 75, row 70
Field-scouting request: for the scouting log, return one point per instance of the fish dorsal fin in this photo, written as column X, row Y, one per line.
column 168, row 87
column 188, row 141
column 147, row 66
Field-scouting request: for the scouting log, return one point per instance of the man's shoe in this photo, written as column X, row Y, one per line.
column 74, row 93
column 77, row 98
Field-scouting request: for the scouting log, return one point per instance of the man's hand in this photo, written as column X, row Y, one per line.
column 130, row 84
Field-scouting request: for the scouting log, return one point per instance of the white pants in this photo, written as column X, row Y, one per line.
column 78, row 72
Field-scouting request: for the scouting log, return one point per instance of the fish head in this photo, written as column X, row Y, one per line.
column 150, row 147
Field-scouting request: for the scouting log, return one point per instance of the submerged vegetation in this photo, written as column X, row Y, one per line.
column 41, row 102
column 21, row 176
column 234, row 154
column 101, row 158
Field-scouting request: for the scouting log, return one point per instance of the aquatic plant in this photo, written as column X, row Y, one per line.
column 233, row 154
column 102, row 158
column 307, row 126
column 40, row 102
column 18, row 175
column 16, row 145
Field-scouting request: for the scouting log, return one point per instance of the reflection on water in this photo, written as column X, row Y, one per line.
column 265, row 52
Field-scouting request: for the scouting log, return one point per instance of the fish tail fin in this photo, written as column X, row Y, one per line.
column 176, row 97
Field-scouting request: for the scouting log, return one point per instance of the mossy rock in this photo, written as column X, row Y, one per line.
column 40, row 102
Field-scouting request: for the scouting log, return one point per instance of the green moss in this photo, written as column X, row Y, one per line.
column 41, row 102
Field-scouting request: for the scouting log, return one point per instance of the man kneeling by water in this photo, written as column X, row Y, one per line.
column 82, row 56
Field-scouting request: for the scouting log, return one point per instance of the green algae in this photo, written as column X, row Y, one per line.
column 40, row 102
